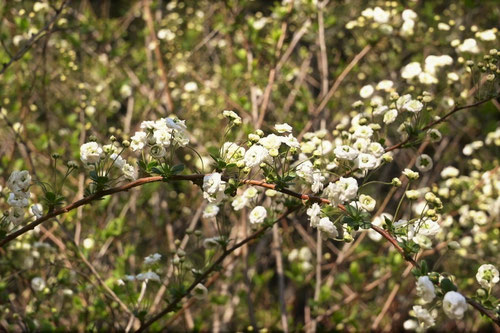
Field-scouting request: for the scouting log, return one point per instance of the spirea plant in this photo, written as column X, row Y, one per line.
column 296, row 165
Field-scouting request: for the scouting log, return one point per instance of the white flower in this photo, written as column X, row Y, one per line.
column 380, row 15
column 424, row 317
column 37, row 210
column 166, row 34
column 151, row 259
column 313, row 213
column 385, row 85
column 412, row 175
column 129, row 172
column 138, row 141
column 125, row 91
column 468, row 45
column 454, row 305
column 407, row 28
column 348, row 188
column 191, row 86
column 212, row 183
column 283, row 128
column 255, row 155
column 272, row 141
column 366, row 91
column 211, row 210
column 376, row 149
column 290, row 141
column 426, row 289
column 449, row 172
column 232, row 116
column 434, row 134
column 346, row 153
column 487, row 35
column 487, row 276
column 17, row 201
column 19, row 182
column 148, row 276
column 200, row 291
column 363, row 132
column 411, row 70
column 408, row 14
column 390, row 116
column 443, row 26
column 427, row 78
column 163, row 136
column 424, row 163
column 239, row 202
column 379, row 110
column 16, row 215
column 428, row 227
column 413, row 106
column 258, row 215
column 366, row 161
column 401, row 101
column 38, row 284
column 213, row 187
column 90, row 152
column 327, row 228
column 367, row 202
column 118, row 161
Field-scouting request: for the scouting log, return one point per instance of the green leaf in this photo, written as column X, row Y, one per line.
column 447, row 285
column 177, row 169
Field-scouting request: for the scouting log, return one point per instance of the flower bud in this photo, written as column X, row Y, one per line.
column 396, row 182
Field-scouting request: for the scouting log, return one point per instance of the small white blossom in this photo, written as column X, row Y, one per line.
column 255, row 155
column 314, row 214
column 424, row 163
column 151, row 259
column 454, row 305
column 327, row 228
column 487, row 276
column 283, row 128
column 211, row 210
column 90, row 153
column 424, row 317
column 366, row 91
column 258, row 215
column 413, row 106
column 148, row 276
column 38, row 284
column 426, row 289
column 346, row 153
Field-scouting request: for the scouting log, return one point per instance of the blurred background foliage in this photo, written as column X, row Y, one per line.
column 104, row 66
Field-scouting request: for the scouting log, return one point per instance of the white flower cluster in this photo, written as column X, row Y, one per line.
column 213, row 191
column 19, row 183
column 454, row 305
column 160, row 135
column 92, row 154
column 323, row 224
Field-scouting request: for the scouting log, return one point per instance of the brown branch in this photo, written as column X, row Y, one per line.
column 443, row 118
column 173, row 304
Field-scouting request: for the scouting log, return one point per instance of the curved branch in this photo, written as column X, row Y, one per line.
column 443, row 118
column 173, row 304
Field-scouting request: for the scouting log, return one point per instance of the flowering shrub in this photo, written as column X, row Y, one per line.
column 328, row 151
